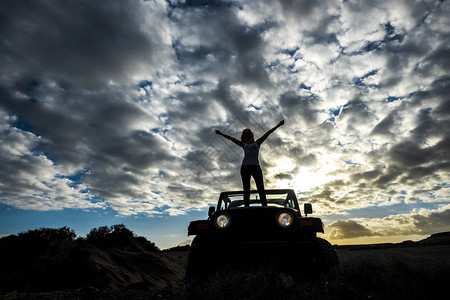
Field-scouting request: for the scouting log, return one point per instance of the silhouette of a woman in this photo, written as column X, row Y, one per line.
column 250, row 163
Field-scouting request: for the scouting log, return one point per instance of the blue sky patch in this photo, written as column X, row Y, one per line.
column 24, row 125
column 290, row 52
column 303, row 86
column 391, row 99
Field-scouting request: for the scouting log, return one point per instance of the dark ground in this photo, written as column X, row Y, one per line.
column 409, row 270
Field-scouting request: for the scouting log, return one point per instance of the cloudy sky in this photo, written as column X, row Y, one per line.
column 108, row 111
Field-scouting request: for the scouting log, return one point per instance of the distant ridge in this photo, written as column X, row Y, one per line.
column 441, row 238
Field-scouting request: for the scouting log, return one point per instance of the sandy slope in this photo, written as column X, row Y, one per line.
column 157, row 273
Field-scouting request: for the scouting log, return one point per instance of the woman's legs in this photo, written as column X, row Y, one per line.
column 259, row 180
column 246, row 173
column 256, row 172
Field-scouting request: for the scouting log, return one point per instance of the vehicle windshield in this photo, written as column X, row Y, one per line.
column 278, row 199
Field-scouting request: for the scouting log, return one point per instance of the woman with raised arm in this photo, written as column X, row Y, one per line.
column 250, row 163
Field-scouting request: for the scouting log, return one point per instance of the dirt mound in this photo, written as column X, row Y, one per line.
column 138, row 270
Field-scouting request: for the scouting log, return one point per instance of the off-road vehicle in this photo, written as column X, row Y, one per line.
column 239, row 235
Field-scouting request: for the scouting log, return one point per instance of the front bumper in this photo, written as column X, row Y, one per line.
column 257, row 251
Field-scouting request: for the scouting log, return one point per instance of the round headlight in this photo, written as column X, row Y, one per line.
column 284, row 219
column 222, row 221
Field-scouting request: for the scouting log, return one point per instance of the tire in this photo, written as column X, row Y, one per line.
column 325, row 255
column 197, row 263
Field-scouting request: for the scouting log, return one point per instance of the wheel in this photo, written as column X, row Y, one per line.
column 197, row 263
column 325, row 255
column 192, row 266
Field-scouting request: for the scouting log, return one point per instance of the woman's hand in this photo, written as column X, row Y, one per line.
column 218, row 132
column 281, row 123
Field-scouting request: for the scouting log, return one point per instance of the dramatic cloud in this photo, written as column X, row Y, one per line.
column 114, row 105
column 425, row 222
column 348, row 229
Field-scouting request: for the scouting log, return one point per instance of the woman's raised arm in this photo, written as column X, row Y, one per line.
column 266, row 135
column 236, row 141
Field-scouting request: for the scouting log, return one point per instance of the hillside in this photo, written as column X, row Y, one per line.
column 109, row 258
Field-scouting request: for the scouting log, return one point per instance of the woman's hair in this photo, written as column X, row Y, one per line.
column 247, row 136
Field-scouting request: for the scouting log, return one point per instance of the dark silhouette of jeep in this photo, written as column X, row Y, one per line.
column 243, row 236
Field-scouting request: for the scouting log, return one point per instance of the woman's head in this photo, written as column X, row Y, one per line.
column 247, row 136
